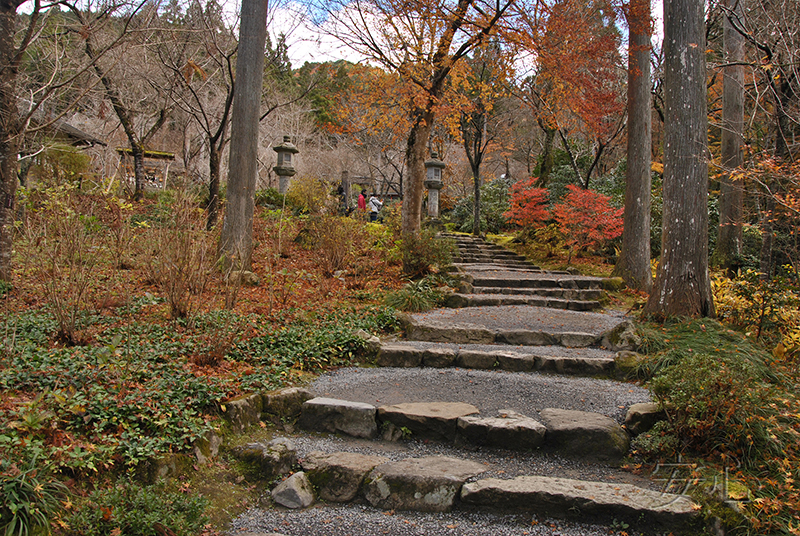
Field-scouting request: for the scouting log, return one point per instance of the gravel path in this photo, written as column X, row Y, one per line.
column 363, row 520
column 489, row 391
column 522, row 317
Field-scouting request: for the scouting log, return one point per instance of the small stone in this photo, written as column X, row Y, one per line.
column 622, row 337
column 372, row 343
column 244, row 278
column 275, row 458
column 640, row 418
column 294, row 492
column 206, row 448
column 286, row 403
column 243, row 411
column 627, row 363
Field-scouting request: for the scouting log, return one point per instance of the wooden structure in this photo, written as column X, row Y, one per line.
column 156, row 167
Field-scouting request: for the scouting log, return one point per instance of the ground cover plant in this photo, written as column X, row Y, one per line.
column 132, row 362
column 732, row 409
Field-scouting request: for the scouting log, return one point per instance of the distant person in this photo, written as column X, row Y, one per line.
column 362, row 201
column 375, row 205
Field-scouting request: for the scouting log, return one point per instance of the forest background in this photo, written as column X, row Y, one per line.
column 97, row 259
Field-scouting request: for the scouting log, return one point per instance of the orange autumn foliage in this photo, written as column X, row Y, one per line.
column 586, row 218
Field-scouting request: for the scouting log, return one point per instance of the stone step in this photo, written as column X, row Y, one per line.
column 570, row 433
column 543, row 280
column 520, row 325
column 457, row 300
column 552, row 359
column 468, row 265
column 587, row 500
column 440, row 484
column 589, row 294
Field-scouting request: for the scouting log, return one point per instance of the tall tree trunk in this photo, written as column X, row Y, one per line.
column 547, row 161
column 9, row 135
column 476, row 207
column 731, row 196
column 633, row 265
column 236, row 239
column 416, row 154
column 682, row 286
column 214, row 161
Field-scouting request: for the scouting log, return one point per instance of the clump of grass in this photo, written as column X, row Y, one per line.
column 422, row 295
column 669, row 343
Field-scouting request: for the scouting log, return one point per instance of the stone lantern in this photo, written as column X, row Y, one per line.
column 284, row 168
column 433, row 182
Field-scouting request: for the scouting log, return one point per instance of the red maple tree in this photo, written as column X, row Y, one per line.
column 528, row 204
column 586, row 218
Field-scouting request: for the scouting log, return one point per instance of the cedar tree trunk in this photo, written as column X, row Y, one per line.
column 633, row 265
column 236, row 239
column 731, row 195
column 682, row 286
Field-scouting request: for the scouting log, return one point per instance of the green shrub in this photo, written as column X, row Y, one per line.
column 335, row 238
column 308, row 195
column 128, row 509
column 64, row 239
column 494, row 203
column 269, row 197
column 423, row 252
column 713, row 404
column 59, row 165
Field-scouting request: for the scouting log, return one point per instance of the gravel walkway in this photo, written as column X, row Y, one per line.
column 489, row 391
column 363, row 520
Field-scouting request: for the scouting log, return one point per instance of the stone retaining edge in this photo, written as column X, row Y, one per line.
column 403, row 356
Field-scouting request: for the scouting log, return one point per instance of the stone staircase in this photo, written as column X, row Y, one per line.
column 427, row 432
column 492, row 275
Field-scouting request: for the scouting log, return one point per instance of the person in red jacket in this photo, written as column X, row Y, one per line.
column 362, row 201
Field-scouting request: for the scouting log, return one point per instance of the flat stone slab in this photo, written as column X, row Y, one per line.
column 338, row 476
column 396, row 355
column 520, row 358
column 355, row 419
column 584, row 434
column 429, row 420
column 509, row 430
column 562, row 497
column 429, row 484
column 512, row 324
